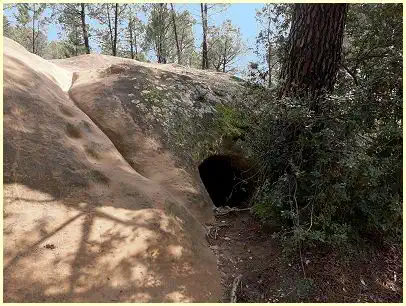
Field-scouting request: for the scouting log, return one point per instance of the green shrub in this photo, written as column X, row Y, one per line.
column 332, row 177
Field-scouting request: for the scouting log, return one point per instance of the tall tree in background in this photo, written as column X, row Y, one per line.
column 84, row 27
column 273, row 21
column 6, row 26
column 205, row 60
column 134, row 28
column 225, row 46
column 31, row 16
column 159, row 30
column 72, row 19
column 175, row 33
column 184, row 37
column 115, row 29
column 108, row 15
column 314, row 49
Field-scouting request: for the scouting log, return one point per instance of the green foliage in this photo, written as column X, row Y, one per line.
column 134, row 33
column 329, row 177
column 184, row 28
column 6, row 26
column 30, row 26
column 225, row 45
column 158, row 31
column 273, row 21
column 230, row 122
column 304, row 287
column 69, row 19
column 335, row 177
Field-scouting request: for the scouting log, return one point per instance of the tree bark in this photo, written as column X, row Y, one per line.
column 269, row 64
column 115, row 31
column 84, row 27
column 110, row 28
column 314, row 50
column 176, row 34
column 135, row 45
column 205, row 62
column 76, row 41
column 225, row 56
column 269, row 55
column 33, row 30
column 130, row 28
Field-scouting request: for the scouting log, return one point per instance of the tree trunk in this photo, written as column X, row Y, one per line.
column 135, row 45
column 115, row 31
column 110, row 28
column 130, row 29
column 225, row 56
column 314, row 50
column 33, row 30
column 205, row 62
column 269, row 64
column 269, row 55
column 84, row 27
column 76, row 41
column 176, row 34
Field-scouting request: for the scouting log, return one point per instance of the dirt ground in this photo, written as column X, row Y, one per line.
column 243, row 247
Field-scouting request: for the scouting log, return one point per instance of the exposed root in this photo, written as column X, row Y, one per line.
column 236, row 282
column 221, row 211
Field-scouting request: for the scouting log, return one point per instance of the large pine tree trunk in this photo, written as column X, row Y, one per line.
column 205, row 62
column 314, row 50
column 84, row 27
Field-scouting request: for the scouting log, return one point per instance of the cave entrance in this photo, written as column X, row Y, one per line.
column 225, row 179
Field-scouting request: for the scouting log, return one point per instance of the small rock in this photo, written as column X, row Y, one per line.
column 363, row 282
column 50, row 246
column 307, row 261
column 227, row 238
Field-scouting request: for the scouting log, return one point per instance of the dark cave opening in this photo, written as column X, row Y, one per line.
column 225, row 179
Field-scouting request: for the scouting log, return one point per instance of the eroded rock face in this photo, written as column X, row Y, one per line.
column 99, row 157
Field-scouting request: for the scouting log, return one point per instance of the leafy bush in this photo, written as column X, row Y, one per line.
column 330, row 177
column 335, row 176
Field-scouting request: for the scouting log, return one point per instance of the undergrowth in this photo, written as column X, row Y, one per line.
column 328, row 178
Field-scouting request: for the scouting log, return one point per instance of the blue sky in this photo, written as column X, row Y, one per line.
column 241, row 15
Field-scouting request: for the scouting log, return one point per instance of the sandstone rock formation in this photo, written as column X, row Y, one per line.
column 102, row 197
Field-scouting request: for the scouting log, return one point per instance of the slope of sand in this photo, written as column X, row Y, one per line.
column 95, row 209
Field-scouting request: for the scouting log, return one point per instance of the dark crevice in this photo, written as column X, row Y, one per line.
column 225, row 179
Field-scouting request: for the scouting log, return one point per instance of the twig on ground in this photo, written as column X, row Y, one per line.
column 226, row 210
column 214, row 228
column 236, row 282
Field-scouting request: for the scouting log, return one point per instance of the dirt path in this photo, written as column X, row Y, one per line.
column 243, row 247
